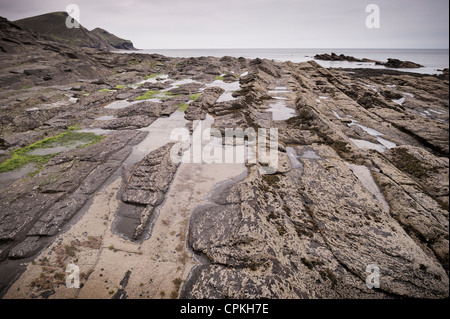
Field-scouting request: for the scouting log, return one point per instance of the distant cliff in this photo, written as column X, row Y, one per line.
column 115, row 41
column 53, row 27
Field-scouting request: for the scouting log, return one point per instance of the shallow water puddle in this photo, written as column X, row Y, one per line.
column 408, row 94
column 363, row 144
column 280, row 112
column 161, row 78
column 157, row 98
column 9, row 177
column 54, row 150
column 437, row 112
column 366, row 179
column 368, row 130
column 181, row 82
column 162, row 249
column 162, row 256
column 155, row 79
column 310, row 154
column 159, row 135
column 399, row 101
column 105, row 118
column 121, row 104
column 386, row 143
column 293, row 157
column 403, row 99
column 98, row 131
column 57, row 104
column 73, row 100
column 279, row 89
column 370, row 86
column 228, row 87
column 337, row 115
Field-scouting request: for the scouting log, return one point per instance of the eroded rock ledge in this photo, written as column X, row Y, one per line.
column 391, row 62
column 362, row 176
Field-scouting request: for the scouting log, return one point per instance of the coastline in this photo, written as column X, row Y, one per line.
column 303, row 55
column 291, row 234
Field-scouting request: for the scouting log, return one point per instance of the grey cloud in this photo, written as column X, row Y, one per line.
column 256, row 23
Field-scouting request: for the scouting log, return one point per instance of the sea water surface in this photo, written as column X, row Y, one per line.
column 433, row 60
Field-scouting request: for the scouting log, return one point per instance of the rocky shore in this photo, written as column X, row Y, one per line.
column 391, row 62
column 87, row 178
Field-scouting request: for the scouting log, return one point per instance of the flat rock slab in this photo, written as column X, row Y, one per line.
column 150, row 178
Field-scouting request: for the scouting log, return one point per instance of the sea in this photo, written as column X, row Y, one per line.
column 433, row 60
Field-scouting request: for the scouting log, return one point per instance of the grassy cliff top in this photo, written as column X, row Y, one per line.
column 53, row 26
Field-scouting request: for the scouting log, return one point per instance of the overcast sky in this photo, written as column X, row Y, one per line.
column 164, row 24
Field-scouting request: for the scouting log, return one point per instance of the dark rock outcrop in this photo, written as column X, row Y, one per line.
column 340, row 57
column 113, row 40
column 391, row 63
column 398, row 64
column 361, row 180
column 52, row 26
column 197, row 110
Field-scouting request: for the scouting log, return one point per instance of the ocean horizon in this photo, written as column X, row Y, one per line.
column 433, row 60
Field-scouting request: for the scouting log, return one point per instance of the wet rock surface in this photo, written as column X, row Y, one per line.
column 362, row 176
column 396, row 63
column 198, row 109
column 329, row 224
column 341, row 57
column 391, row 62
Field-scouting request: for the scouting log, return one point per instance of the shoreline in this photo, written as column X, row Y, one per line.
column 301, row 55
column 292, row 234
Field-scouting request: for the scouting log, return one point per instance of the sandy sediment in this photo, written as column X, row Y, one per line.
column 361, row 178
